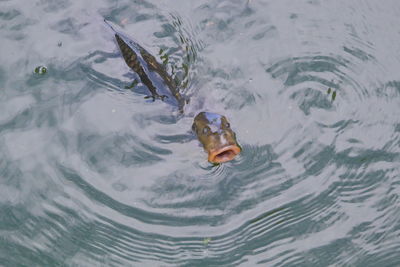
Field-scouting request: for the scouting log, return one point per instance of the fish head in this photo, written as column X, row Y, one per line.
column 215, row 134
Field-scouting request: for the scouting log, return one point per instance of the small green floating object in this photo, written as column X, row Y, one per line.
column 206, row 241
column 41, row 70
column 333, row 95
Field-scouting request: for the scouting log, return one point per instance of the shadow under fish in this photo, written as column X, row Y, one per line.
column 212, row 130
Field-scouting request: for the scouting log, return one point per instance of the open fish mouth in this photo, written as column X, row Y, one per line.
column 224, row 154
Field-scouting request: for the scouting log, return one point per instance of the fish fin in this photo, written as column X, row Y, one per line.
column 109, row 25
column 133, row 84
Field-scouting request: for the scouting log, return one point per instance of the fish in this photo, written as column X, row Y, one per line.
column 212, row 130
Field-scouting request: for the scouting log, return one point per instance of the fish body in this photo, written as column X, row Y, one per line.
column 151, row 73
column 213, row 130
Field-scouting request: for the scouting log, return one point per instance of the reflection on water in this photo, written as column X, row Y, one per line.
column 93, row 174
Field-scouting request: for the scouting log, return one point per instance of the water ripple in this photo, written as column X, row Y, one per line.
column 92, row 174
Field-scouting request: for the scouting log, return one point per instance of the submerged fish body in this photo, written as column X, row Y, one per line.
column 212, row 129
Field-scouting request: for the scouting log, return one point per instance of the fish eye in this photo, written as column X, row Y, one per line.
column 206, row 130
column 227, row 125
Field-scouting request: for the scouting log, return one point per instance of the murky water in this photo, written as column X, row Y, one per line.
column 93, row 174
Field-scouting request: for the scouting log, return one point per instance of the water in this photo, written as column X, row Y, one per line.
column 93, row 174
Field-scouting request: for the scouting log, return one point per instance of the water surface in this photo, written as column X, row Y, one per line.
column 93, row 174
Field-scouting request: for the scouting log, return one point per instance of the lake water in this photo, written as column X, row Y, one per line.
column 93, row 174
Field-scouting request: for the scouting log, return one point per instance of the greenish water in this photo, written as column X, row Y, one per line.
column 92, row 174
